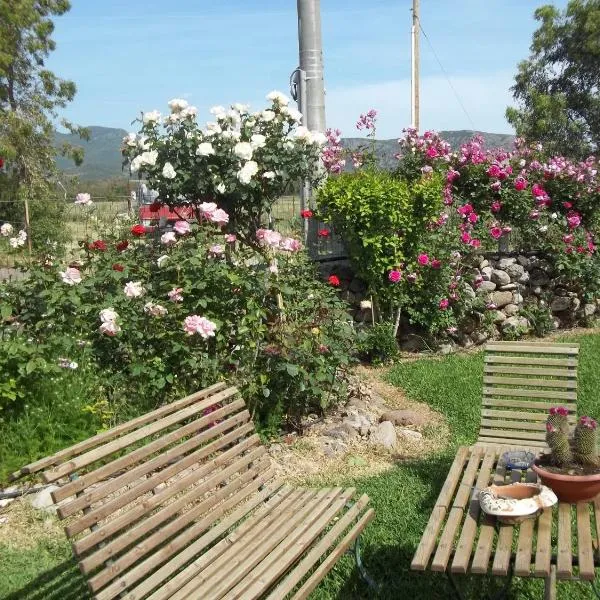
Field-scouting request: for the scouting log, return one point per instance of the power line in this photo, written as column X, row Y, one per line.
column 447, row 77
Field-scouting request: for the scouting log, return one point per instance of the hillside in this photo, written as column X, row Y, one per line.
column 103, row 158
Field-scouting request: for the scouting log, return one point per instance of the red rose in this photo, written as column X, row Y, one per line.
column 334, row 280
column 138, row 230
column 122, row 245
column 306, row 214
column 323, row 233
column 1, row 162
column 98, row 245
column 155, row 206
column 118, row 267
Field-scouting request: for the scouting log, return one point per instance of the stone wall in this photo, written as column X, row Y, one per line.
column 501, row 287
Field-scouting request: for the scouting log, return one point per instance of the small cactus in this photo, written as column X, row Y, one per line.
column 559, row 444
column 558, row 417
column 585, row 441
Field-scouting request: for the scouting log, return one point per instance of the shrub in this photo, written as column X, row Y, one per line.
column 377, row 344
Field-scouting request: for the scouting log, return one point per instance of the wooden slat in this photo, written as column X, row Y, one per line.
column 279, row 555
column 564, row 559
column 523, row 382
column 524, row 416
column 528, row 394
column 188, row 544
column 517, row 442
column 118, row 430
column 464, row 547
column 522, row 566
column 137, row 511
column 527, row 360
column 319, row 573
column 543, row 550
column 523, row 435
column 550, row 584
column 436, row 519
column 502, row 554
column 519, row 425
column 120, row 443
column 597, row 522
column 530, row 371
column 221, row 563
column 146, row 545
column 102, row 491
column 522, row 348
column 446, row 542
column 323, row 546
column 584, row 542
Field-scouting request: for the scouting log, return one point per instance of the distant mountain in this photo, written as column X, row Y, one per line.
column 103, row 158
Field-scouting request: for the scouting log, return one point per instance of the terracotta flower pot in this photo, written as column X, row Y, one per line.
column 570, row 488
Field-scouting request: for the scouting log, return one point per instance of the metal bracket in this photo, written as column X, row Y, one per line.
column 500, row 595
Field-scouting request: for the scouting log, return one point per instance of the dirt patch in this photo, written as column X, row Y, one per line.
column 24, row 527
column 304, row 458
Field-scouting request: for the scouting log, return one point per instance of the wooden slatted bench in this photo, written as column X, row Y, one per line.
column 521, row 382
column 182, row 503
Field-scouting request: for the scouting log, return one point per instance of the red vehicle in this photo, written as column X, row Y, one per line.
column 151, row 213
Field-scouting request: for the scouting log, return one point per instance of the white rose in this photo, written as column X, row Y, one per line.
column 366, row 305
column 554, row 215
column 302, row 134
column 6, row 229
column 278, row 98
column 108, row 314
column 267, row 115
column 221, row 188
column 243, row 150
column 177, row 105
column 160, row 261
column 189, row 111
column 292, row 113
column 168, row 171
column 543, row 228
column 134, row 289
column 234, row 115
column 241, row 108
column 130, row 140
column 288, row 145
column 318, row 138
column 247, row 171
column 151, row 117
column 258, row 141
column 212, row 129
column 269, row 175
column 205, row 149
column 229, row 134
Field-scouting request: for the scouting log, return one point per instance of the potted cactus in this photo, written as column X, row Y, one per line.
column 572, row 468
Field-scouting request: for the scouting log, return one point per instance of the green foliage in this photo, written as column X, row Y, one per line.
column 557, row 87
column 377, row 344
column 540, row 318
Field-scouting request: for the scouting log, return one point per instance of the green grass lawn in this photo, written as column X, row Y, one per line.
column 402, row 497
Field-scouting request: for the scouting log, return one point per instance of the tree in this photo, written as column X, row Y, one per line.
column 558, row 86
column 30, row 96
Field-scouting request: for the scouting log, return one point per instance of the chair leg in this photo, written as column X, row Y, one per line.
column 361, row 567
column 550, row 584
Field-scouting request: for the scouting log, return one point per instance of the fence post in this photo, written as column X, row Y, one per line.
column 28, row 228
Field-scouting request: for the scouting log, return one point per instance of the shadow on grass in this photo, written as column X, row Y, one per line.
column 62, row 582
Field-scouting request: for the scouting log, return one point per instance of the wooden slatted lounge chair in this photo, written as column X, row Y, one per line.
column 182, row 503
column 521, row 382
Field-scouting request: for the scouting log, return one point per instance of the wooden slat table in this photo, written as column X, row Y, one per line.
column 459, row 539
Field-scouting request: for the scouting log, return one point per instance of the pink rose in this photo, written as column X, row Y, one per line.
column 534, row 214
column 473, row 218
column 567, row 205
column 200, row 325
column 475, row 243
column 216, row 250
column 496, row 232
column 71, row 276
column 464, row 210
column 574, row 220
column 290, row 245
column 520, row 183
column 175, row 295
column 168, row 239
column 493, row 171
column 230, row 238
column 496, row 207
column 465, row 238
column 496, row 186
column 207, row 209
column 444, row 303
column 423, row 259
column 110, row 328
column 432, row 152
column 220, row 217
column 567, row 239
column 436, row 264
column 394, row 276
column 537, row 190
column 182, row 227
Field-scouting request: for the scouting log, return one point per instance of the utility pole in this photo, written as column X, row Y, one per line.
column 414, row 79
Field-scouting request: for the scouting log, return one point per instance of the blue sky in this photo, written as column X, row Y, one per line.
column 128, row 56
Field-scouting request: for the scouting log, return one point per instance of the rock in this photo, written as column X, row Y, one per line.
column 515, row 271
column 42, row 500
column 485, row 287
column 523, row 261
column 355, row 422
column 413, row 344
column 447, row 348
column 510, row 309
column 560, row 303
column 464, row 340
column 468, row 324
column 575, row 303
column 514, row 323
column 409, row 434
column 538, row 277
column 484, row 263
column 468, row 291
column 486, row 273
column 333, row 447
column 385, row 435
column 357, row 403
column 501, row 299
column 503, row 263
column 537, row 290
column 341, row 433
column 479, row 337
column 275, row 448
column 509, row 287
column 403, row 417
column 524, row 278
column 500, row 277
column 517, row 298
column 498, row 316
column 589, row 309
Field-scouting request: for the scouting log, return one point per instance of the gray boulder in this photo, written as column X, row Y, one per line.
column 500, row 277
column 404, row 417
column 501, row 299
column 385, row 435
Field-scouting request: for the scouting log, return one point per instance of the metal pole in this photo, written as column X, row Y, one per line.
column 311, row 62
column 414, row 79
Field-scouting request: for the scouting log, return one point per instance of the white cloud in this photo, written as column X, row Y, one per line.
column 485, row 98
